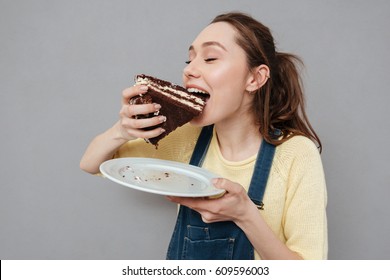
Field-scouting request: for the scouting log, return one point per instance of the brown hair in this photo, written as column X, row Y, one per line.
column 279, row 104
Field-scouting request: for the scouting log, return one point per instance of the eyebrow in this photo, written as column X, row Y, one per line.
column 209, row 43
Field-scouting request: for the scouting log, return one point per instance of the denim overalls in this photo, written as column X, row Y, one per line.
column 193, row 239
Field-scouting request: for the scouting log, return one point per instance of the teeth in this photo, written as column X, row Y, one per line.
column 196, row 90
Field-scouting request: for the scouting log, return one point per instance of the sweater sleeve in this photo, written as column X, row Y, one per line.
column 305, row 222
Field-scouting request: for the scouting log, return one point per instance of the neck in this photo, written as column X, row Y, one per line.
column 238, row 141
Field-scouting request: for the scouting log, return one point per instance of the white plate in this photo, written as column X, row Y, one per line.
column 161, row 177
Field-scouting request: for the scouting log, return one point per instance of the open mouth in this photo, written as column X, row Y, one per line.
column 202, row 94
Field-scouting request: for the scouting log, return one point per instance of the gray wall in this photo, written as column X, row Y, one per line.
column 63, row 65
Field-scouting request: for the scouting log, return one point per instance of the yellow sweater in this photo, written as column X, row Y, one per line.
column 295, row 197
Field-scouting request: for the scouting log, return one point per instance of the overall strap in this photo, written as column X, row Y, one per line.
column 260, row 173
column 202, row 145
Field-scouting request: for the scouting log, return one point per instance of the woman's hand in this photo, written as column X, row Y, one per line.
column 131, row 127
column 234, row 205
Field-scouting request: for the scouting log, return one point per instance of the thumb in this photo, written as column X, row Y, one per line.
column 225, row 184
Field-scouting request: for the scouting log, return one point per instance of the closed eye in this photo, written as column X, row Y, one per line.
column 206, row 60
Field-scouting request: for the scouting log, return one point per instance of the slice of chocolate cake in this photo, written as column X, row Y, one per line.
column 177, row 104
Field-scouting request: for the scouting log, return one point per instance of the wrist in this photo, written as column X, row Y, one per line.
column 250, row 214
column 116, row 133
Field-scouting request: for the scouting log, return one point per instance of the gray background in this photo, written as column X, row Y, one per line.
column 63, row 65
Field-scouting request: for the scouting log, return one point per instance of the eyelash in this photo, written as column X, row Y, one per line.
column 206, row 60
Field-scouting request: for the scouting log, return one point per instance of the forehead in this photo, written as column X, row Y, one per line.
column 220, row 32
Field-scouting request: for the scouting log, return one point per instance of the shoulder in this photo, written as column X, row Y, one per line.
column 297, row 152
column 297, row 147
column 298, row 144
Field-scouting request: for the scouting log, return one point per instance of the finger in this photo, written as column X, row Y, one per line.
column 208, row 217
column 131, row 123
column 133, row 91
column 197, row 204
column 206, row 221
column 128, row 128
column 146, row 134
column 142, row 109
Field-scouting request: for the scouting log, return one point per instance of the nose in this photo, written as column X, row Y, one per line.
column 191, row 71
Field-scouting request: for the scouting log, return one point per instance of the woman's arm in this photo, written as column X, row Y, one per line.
column 101, row 149
column 264, row 241
column 104, row 146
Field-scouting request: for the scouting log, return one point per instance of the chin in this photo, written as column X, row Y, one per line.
column 200, row 121
column 196, row 121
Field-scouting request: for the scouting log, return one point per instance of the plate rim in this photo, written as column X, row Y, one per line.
column 134, row 160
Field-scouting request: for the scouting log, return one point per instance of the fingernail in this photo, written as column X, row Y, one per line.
column 162, row 118
column 157, row 106
column 162, row 130
column 143, row 87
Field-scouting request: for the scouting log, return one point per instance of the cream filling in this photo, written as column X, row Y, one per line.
column 160, row 89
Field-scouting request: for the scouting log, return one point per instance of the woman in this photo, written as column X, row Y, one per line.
column 256, row 136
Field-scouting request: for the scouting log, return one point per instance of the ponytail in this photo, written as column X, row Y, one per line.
column 284, row 103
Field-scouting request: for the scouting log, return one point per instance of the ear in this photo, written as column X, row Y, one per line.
column 258, row 77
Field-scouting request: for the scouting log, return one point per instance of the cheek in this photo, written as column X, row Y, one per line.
column 229, row 76
column 229, row 90
column 221, row 76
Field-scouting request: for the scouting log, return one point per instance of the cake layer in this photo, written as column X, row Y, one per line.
column 172, row 91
